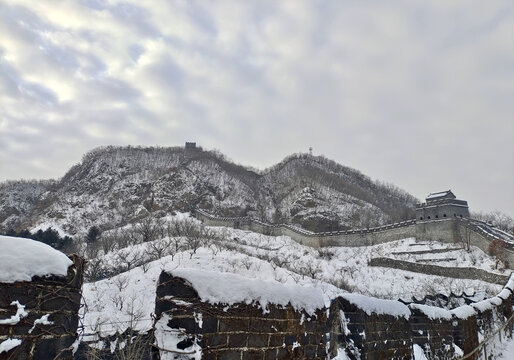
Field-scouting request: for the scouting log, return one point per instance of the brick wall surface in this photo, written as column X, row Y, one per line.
column 57, row 297
column 239, row 331
column 372, row 336
column 383, row 336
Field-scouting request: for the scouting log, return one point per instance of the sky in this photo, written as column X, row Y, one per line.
column 415, row 93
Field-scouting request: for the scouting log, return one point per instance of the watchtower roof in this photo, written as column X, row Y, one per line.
column 441, row 195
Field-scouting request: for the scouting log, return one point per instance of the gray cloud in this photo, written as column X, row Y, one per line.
column 415, row 93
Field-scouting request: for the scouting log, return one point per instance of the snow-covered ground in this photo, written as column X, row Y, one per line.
column 128, row 299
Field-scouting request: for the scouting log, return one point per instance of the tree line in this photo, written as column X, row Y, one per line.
column 49, row 236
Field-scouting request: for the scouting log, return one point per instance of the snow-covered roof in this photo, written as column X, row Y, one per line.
column 21, row 259
column 440, row 194
column 227, row 288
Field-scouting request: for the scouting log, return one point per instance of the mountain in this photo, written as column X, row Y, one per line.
column 113, row 186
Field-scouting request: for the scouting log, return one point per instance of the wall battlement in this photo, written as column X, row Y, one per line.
column 45, row 316
column 362, row 326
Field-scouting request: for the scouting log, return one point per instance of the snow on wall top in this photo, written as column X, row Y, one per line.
column 510, row 283
column 21, row 259
column 463, row 312
column 432, row 312
column 227, row 288
column 371, row 305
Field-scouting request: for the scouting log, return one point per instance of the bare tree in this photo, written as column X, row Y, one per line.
column 497, row 249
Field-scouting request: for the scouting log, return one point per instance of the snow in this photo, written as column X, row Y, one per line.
column 510, row 283
column 123, row 300
column 372, row 305
column 418, row 353
column 225, row 288
column 167, row 339
column 16, row 318
column 21, row 259
column 43, row 320
column 504, row 294
column 507, row 352
column 437, row 195
column 463, row 312
column 9, row 344
column 432, row 312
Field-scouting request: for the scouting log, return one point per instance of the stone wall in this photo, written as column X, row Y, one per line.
column 48, row 327
column 350, row 238
column 375, row 329
column 453, row 272
column 466, row 231
column 449, row 230
column 373, row 336
column 186, row 325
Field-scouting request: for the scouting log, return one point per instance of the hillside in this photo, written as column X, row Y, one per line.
column 114, row 186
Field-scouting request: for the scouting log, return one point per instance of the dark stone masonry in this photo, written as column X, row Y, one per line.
column 51, row 304
column 392, row 331
column 240, row 331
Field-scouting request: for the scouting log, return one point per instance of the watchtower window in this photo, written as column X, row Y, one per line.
column 421, row 218
column 428, row 217
column 437, row 216
column 444, row 215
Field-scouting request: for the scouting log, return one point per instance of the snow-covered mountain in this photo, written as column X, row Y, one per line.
column 113, row 186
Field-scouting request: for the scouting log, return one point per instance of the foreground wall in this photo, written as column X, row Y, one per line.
column 370, row 328
column 187, row 325
column 41, row 316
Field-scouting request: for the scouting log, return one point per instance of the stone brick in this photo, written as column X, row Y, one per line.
column 209, row 325
column 216, row 340
column 229, row 355
column 283, row 353
column 258, row 340
column 271, row 354
column 238, row 340
column 276, row 340
column 260, row 325
column 253, row 355
column 233, row 324
column 290, row 339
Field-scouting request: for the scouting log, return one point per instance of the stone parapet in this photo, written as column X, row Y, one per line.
column 44, row 315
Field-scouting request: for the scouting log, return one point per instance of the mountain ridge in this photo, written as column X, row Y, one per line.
column 112, row 186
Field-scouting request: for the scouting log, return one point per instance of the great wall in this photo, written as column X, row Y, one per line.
column 212, row 315
column 445, row 220
column 220, row 316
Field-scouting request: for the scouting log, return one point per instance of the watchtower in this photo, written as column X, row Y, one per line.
column 441, row 205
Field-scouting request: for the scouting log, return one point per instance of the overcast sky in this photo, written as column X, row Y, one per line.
column 416, row 93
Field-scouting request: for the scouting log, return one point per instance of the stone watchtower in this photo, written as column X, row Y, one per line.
column 189, row 150
column 441, row 205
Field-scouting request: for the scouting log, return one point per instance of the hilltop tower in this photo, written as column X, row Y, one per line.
column 440, row 206
column 189, row 150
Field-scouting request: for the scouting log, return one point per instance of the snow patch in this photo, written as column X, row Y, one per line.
column 9, row 344
column 226, row 288
column 21, row 259
column 43, row 320
column 432, row 312
column 372, row 305
column 16, row 318
column 464, row 312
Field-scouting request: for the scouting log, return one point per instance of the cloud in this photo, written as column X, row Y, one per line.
column 416, row 93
